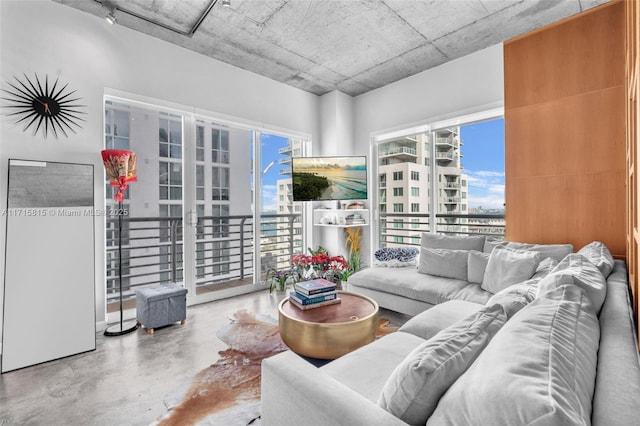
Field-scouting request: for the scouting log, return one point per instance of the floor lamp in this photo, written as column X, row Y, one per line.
column 120, row 166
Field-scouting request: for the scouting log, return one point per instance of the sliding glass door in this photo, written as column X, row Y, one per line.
column 191, row 218
column 152, row 228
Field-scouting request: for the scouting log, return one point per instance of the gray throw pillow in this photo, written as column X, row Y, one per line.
column 414, row 388
column 515, row 297
column 554, row 251
column 585, row 275
column 545, row 267
column 444, row 263
column 598, row 254
column 476, row 265
column 507, row 267
column 436, row 241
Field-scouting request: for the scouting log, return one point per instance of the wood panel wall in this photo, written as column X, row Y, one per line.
column 565, row 132
column 632, row 91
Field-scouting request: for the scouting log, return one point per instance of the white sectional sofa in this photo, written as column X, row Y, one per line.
column 556, row 349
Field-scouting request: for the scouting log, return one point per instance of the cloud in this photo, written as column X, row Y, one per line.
column 486, row 189
column 488, row 201
column 269, row 197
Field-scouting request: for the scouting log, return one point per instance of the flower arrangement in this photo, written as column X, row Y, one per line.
column 319, row 264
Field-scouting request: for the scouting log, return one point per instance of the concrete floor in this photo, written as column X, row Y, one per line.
column 125, row 380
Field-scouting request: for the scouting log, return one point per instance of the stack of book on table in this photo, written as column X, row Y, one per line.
column 314, row 294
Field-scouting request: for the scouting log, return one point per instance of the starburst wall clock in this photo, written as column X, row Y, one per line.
column 48, row 109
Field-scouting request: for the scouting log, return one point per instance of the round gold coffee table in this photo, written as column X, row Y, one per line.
column 331, row 331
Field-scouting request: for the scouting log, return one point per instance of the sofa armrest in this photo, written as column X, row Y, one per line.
column 294, row 392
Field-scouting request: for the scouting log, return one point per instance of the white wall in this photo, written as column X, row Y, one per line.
column 463, row 86
column 49, row 38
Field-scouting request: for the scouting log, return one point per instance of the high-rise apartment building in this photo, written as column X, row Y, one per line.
column 289, row 231
column 405, row 187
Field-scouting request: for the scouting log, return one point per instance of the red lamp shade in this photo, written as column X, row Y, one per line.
column 120, row 165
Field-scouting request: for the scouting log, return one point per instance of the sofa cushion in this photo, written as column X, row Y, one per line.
column 444, row 263
column 554, row 251
column 367, row 369
column 408, row 283
column 515, row 297
column 543, row 362
column 412, row 391
column 430, row 322
column 490, row 244
column 476, row 265
column 437, row 241
column 507, row 267
column 598, row 254
column 585, row 274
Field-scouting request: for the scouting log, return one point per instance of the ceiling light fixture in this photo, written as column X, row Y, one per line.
column 111, row 12
column 111, row 18
column 226, row 3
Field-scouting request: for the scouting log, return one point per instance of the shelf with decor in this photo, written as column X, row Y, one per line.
column 340, row 218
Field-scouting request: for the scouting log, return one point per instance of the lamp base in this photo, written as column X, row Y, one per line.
column 120, row 329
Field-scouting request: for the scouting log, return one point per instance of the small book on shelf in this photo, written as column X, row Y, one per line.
column 311, row 287
column 304, row 300
column 314, row 305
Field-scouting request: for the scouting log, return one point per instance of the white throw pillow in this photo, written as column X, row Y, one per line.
column 598, row 254
column 585, row 274
column 414, row 388
column 507, row 267
column 539, row 369
column 444, row 263
column 476, row 265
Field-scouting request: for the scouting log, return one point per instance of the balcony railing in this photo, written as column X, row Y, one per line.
column 450, row 141
column 397, row 150
column 406, row 228
column 445, row 156
column 152, row 250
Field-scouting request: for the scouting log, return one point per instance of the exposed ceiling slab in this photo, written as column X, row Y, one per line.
column 353, row 46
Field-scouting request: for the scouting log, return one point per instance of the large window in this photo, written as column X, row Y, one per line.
column 456, row 179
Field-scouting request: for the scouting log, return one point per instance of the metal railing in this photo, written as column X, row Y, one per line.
column 152, row 249
column 398, row 150
column 406, row 228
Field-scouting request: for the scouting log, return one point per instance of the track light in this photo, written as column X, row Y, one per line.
column 226, row 3
column 111, row 17
column 111, row 12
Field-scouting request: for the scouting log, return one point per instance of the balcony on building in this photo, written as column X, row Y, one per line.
column 447, row 141
column 286, row 150
column 399, row 152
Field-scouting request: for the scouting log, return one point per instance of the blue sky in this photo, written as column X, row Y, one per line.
column 483, row 160
column 270, row 144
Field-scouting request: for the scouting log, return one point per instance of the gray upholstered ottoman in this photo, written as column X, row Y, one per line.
column 161, row 305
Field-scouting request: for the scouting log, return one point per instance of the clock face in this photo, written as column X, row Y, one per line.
column 49, row 109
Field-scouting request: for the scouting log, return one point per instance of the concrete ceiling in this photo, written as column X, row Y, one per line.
column 353, row 46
